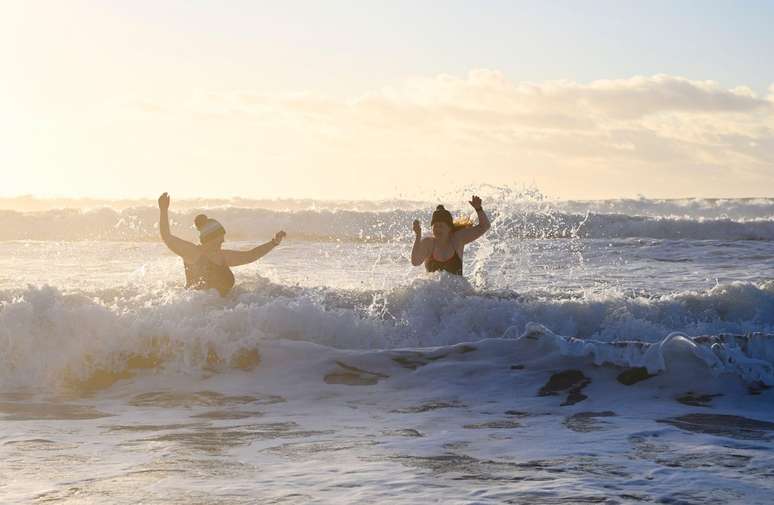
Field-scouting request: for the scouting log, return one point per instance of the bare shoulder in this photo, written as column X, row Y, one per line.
column 192, row 256
column 234, row 258
column 458, row 241
column 424, row 248
column 186, row 250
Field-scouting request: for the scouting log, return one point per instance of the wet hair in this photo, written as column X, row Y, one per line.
column 208, row 228
column 441, row 215
column 462, row 223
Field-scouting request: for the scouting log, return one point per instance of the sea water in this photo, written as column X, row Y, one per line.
column 613, row 351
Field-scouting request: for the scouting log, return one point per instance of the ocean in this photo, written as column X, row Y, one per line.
column 612, row 351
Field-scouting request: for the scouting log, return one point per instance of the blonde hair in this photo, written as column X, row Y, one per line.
column 461, row 223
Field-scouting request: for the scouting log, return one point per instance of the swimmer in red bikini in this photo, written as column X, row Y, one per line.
column 443, row 251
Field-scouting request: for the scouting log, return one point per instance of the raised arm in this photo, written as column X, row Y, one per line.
column 422, row 247
column 236, row 258
column 467, row 235
column 182, row 248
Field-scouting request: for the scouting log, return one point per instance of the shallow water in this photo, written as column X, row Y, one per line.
column 337, row 373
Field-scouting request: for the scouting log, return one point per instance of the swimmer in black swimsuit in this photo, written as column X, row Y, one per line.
column 207, row 265
column 448, row 240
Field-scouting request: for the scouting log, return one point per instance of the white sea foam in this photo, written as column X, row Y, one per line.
column 749, row 357
column 45, row 333
column 335, row 366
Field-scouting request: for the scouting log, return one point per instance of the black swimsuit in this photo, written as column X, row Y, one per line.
column 205, row 274
column 453, row 265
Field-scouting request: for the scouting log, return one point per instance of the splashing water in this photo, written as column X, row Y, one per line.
column 590, row 344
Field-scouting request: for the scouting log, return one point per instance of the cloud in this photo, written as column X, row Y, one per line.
column 648, row 125
column 640, row 96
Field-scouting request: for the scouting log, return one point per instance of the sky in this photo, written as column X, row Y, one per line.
column 372, row 100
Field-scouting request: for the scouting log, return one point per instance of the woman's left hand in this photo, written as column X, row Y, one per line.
column 279, row 236
column 475, row 202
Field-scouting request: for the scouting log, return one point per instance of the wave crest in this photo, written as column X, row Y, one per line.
column 141, row 224
column 46, row 334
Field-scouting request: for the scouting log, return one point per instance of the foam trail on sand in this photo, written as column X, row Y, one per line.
column 748, row 357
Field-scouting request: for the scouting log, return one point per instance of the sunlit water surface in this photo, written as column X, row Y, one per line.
column 338, row 373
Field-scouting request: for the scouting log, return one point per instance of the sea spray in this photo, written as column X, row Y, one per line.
column 46, row 333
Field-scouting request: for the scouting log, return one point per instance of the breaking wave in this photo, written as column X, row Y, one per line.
column 141, row 224
column 48, row 336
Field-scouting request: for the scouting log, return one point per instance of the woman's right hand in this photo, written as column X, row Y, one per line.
column 417, row 228
column 164, row 201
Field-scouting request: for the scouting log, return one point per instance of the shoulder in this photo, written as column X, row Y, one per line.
column 458, row 241
column 193, row 256
column 424, row 248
